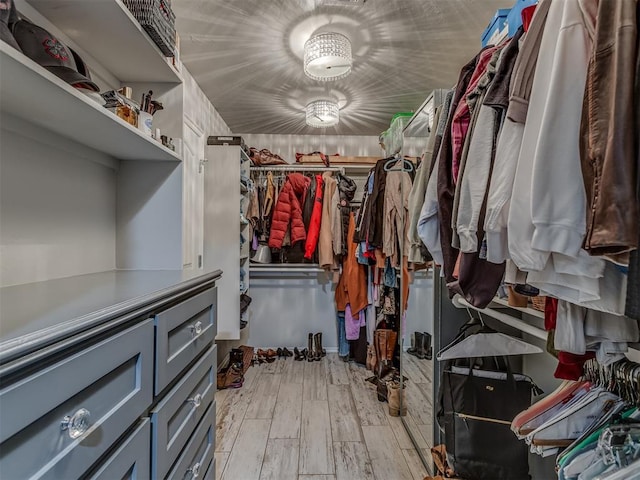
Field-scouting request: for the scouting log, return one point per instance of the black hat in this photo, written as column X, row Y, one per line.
column 49, row 52
column 8, row 15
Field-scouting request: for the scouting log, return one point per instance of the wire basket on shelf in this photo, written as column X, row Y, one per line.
column 158, row 20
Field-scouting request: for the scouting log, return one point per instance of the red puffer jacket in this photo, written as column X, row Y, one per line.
column 288, row 209
column 316, row 219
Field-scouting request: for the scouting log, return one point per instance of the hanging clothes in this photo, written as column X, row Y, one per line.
column 445, row 183
column 346, row 191
column 396, row 214
column 428, row 227
column 417, row 252
column 288, row 211
column 607, row 143
column 352, row 286
column 325, row 242
column 316, row 218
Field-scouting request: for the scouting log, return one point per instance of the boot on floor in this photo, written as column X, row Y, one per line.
column 311, row 349
column 371, row 355
column 396, row 399
column 416, row 343
column 321, row 352
column 427, row 348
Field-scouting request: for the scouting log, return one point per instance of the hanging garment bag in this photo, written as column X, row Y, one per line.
column 478, row 407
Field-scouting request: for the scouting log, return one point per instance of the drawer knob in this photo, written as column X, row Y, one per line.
column 195, row 470
column 196, row 400
column 196, row 329
column 76, row 424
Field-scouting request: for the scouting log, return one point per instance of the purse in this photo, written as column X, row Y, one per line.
column 478, row 405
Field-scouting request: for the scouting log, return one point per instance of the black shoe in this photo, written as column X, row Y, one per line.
column 299, row 356
column 279, row 352
column 236, row 356
column 286, row 352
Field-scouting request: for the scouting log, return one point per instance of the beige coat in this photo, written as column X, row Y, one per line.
column 325, row 242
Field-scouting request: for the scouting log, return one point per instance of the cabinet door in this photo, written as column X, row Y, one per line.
column 193, row 195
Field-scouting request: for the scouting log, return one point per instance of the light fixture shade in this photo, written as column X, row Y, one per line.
column 327, row 56
column 322, row 114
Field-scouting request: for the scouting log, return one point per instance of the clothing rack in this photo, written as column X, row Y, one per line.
column 514, row 322
column 298, row 168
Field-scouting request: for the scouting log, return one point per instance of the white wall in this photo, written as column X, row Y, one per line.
column 57, row 211
column 288, row 306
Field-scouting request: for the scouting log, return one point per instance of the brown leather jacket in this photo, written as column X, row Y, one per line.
column 607, row 145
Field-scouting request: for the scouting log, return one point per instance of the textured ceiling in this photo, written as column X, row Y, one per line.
column 247, row 57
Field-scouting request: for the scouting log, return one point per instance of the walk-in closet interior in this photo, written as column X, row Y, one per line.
column 319, row 239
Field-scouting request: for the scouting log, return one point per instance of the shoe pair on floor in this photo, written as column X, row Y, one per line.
column 421, row 346
column 270, row 355
column 314, row 350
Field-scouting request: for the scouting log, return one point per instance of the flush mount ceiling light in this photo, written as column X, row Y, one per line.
column 327, row 56
column 322, row 114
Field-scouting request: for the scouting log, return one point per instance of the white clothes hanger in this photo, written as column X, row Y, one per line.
column 486, row 343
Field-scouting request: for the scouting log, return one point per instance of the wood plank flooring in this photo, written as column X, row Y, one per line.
column 321, row 421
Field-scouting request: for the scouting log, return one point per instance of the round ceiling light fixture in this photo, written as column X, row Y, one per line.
column 322, row 114
column 327, row 56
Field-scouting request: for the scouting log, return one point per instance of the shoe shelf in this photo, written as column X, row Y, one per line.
column 31, row 94
column 111, row 34
column 512, row 321
column 529, row 311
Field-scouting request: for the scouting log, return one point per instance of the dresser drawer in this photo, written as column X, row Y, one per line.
column 197, row 456
column 182, row 333
column 175, row 418
column 131, row 461
column 210, row 474
column 110, row 382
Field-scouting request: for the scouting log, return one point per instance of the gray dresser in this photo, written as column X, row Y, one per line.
column 109, row 376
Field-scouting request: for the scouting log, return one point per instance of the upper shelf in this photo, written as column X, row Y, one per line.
column 29, row 92
column 108, row 32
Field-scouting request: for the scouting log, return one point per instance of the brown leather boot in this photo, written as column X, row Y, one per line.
column 376, row 349
column 396, row 398
column 392, row 338
column 383, row 365
column 371, row 357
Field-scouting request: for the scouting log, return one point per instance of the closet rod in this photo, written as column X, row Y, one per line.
column 521, row 325
column 297, row 168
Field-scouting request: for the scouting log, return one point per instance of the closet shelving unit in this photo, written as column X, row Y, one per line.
column 223, row 227
column 111, row 35
column 29, row 93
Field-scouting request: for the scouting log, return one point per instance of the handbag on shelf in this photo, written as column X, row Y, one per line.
column 264, row 157
column 478, row 405
column 478, row 398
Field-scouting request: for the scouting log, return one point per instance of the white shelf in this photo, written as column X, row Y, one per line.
column 527, row 310
column 514, row 322
column 29, row 92
column 108, row 32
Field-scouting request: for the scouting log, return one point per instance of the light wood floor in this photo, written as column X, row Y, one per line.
column 321, row 421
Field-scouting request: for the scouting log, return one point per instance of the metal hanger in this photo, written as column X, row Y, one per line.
column 486, row 342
